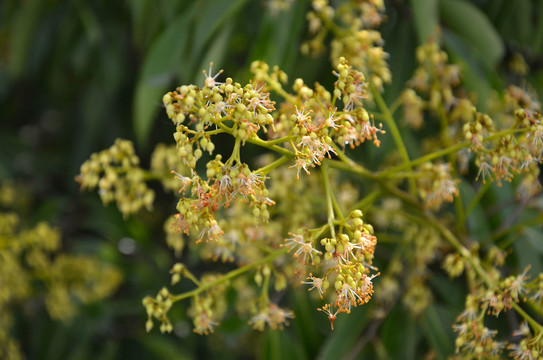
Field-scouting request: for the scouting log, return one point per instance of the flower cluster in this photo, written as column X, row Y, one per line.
column 529, row 347
column 473, row 337
column 226, row 206
column 352, row 25
column 436, row 184
column 33, row 267
column 116, row 173
column 225, row 184
column 272, row 316
column 174, row 238
column 311, row 124
column 435, row 80
column 248, row 108
column 158, row 308
column 346, row 259
column 164, row 160
column 501, row 157
column 237, row 146
column 306, row 129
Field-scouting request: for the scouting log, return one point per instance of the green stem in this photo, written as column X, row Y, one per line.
column 191, row 277
column 211, row 132
column 458, row 205
column 266, row 169
column 235, row 157
column 284, row 139
column 257, row 141
column 275, row 148
column 395, row 105
column 449, row 236
column 391, row 123
column 337, row 209
column 278, row 88
column 223, row 127
column 534, row 324
column 350, row 163
column 423, row 159
column 405, row 175
column 444, row 152
column 230, row 275
column 368, row 200
column 356, row 169
column 329, row 202
column 148, row 175
column 513, row 229
column 214, row 132
column 330, row 25
column 264, row 296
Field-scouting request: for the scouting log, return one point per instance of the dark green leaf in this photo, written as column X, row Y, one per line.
column 304, row 322
column 145, row 21
column 279, row 38
column 157, row 73
column 216, row 51
column 162, row 348
column 210, row 17
column 437, row 331
column 22, row 34
column 426, row 18
column 400, row 341
column 528, row 250
column 477, row 222
column 472, row 25
column 278, row 345
column 347, row 330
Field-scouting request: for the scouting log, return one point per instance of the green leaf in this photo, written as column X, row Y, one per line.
column 524, row 28
column 278, row 345
column 492, row 9
column 304, row 322
column 534, row 238
column 158, row 72
column 90, row 22
column 401, row 41
column 528, row 251
column 162, row 348
column 110, row 351
column 472, row 25
column 216, row 51
column 477, row 222
column 347, row 330
column 478, row 76
column 279, row 38
column 399, row 335
column 22, row 34
column 537, row 38
column 437, row 333
column 145, row 21
column 426, row 18
column 448, row 290
column 211, row 17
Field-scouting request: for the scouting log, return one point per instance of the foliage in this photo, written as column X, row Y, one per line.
column 279, row 186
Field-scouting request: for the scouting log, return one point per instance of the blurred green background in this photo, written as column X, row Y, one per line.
column 75, row 75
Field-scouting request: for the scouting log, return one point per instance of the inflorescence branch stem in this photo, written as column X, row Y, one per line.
column 444, row 152
column 230, row 275
column 391, row 123
column 329, row 201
